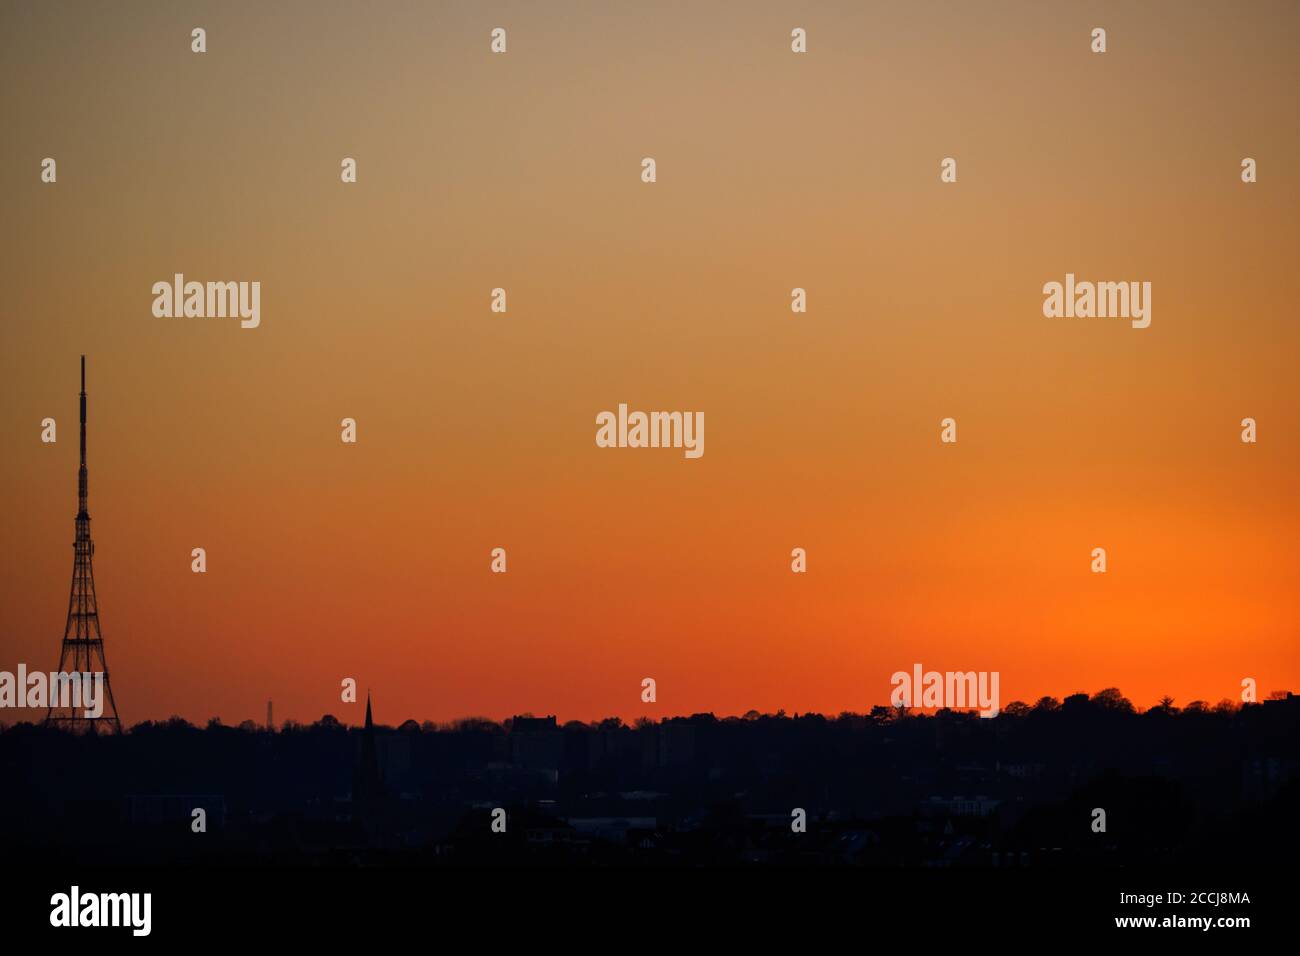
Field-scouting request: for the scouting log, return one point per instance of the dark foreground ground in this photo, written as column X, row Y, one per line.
column 919, row 829
column 1022, row 790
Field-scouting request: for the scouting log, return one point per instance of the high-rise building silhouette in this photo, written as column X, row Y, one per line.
column 83, row 644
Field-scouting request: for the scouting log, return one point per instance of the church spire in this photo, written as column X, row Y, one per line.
column 367, row 784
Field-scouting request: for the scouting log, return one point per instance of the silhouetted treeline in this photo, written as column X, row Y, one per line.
column 886, row 787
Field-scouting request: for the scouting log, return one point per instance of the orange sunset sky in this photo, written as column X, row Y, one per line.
column 476, row 430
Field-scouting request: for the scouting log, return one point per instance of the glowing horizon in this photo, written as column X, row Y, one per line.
column 476, row 430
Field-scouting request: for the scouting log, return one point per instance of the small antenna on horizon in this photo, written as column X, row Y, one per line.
column 83, row 375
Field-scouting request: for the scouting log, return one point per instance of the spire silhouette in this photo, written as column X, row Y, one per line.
column 367, row 784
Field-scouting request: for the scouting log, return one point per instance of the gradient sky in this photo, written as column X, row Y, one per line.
column 822, row 431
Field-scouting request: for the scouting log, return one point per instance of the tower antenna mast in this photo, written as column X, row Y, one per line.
column 83, row 643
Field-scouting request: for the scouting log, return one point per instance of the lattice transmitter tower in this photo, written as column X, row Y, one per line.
column 83, row 644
